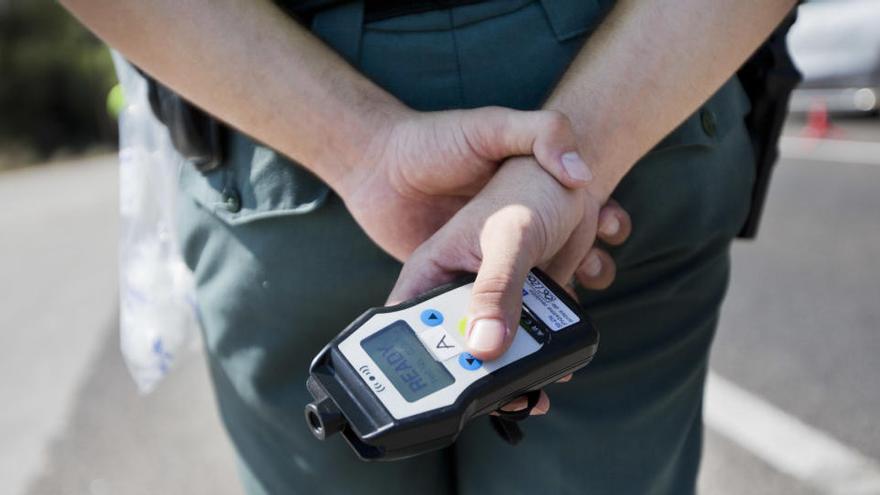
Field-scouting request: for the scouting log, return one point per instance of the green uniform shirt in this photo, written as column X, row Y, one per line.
column 285, row 268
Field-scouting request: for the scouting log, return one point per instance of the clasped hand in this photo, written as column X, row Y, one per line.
column 490, row 191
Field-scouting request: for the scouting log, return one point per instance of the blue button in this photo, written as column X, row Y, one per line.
column 469, row 362
column 432, row 317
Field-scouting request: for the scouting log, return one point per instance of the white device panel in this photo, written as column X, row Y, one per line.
column 439, row 323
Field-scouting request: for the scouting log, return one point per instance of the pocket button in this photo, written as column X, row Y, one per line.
column 707, row 119
column 231, row 200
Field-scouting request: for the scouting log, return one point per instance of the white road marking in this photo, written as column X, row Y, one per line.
column 830, row 150
column 787, row 443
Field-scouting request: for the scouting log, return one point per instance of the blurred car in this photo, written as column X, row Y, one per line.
column 836, row 45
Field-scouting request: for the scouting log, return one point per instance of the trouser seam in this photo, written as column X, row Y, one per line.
column 452, row 30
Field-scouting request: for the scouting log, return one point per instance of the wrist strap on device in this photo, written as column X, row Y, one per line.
column 505, row 423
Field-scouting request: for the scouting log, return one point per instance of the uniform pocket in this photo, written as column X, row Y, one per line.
column 258, row 182
column 693, row 189
column 711, row 123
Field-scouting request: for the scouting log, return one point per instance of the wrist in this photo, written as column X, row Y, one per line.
column 362, row 139
column 603, row 184
column 600, row 150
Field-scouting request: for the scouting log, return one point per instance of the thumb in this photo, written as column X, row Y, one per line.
column 497, row 133
column 496, row 299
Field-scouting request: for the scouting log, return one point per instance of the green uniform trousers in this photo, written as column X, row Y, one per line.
column 281, row 267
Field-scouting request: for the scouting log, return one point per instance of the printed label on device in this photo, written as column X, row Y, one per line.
column 546, row 306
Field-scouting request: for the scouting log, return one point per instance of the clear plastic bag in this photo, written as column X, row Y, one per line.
column 158, row 314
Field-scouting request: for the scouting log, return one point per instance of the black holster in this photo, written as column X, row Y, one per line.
column 768, row 77
column 196, row 135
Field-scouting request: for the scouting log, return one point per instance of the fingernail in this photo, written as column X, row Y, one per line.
column 487, row 335
column 610, row 226
column 593, row 266
column 575, row 166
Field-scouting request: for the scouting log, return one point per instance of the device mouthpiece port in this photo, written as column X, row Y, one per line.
column 324, row 418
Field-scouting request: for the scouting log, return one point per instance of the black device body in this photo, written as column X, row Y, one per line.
column 344, row 403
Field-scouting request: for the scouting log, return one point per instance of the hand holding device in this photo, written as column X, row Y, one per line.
column 398, row 382
column 522, row 218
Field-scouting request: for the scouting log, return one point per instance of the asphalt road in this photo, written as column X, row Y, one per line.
column 800, row 332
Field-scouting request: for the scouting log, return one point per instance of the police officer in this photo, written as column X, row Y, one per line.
column 652, row 117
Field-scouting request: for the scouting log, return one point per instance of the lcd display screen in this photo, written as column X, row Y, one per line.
column 401, row 356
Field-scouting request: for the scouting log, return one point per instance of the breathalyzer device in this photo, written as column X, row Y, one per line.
column 398, row 381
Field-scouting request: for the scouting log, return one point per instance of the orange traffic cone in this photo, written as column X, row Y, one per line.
column 818, row 124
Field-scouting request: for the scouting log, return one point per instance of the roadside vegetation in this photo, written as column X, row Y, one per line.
column 54, row 81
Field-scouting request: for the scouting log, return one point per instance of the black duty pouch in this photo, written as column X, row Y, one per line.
column 196, row 135
column 768, row 78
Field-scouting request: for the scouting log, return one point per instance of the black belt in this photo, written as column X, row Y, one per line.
column 375, row 10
